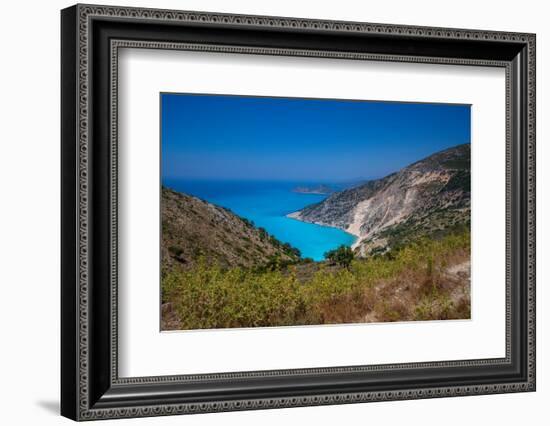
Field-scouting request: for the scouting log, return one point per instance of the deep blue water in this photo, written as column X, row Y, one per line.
column 267, row 204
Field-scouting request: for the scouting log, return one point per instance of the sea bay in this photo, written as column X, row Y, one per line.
column 266, row 203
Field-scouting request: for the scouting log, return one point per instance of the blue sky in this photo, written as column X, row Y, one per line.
column 312, row 140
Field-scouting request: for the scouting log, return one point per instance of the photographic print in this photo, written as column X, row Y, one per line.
column 294, row 211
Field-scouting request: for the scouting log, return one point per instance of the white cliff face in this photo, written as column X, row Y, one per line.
column 395, row 203
column 427, row 196
column 359, row 214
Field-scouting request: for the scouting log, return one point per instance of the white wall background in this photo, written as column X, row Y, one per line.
column 29, row 212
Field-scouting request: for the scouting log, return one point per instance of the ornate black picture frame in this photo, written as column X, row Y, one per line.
column 90, row 38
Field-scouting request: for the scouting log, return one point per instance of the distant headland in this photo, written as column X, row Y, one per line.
column 317, row 189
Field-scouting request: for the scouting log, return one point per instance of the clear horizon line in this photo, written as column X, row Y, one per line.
column 323, row 180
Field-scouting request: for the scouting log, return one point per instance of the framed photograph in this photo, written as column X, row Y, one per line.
column 263, row 212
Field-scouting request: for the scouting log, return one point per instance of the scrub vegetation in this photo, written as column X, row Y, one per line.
column 426, row 280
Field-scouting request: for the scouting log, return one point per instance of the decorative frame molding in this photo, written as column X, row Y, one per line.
column 91, row 388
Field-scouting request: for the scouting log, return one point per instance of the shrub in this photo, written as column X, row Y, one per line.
column 342, row 256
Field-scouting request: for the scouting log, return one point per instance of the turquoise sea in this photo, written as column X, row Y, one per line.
column 267, row 203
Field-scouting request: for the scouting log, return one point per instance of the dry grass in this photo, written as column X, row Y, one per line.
column 429, row 280
column 412, row 295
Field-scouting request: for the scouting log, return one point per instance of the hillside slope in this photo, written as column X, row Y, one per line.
column 193, row 228
column 428, row 198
